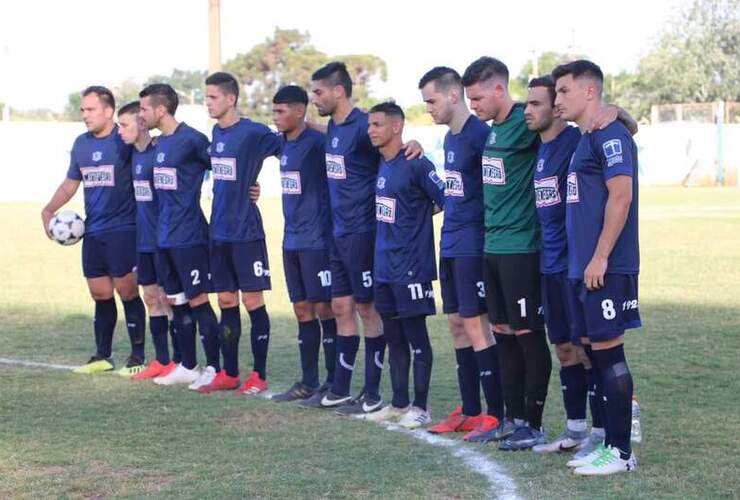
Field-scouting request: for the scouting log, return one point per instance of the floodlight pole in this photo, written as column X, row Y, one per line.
column 214, row 36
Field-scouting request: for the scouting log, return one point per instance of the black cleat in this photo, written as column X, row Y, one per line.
column 361, row 405
column 299, row 390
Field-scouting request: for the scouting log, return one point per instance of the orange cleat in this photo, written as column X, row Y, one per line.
column 487, row 423
column 455, row 422
column 155, row 369
column 222, row 382
column 253, row 385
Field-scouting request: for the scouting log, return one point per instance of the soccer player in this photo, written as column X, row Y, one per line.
column 135, row 134
column 306, row 239
column 102, row 162
column 180, row 160
column 406, row 193
column 461, row 249
column 603, row 254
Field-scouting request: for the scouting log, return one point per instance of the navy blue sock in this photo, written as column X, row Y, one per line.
column 538, row 364
column 209, row 333
column 231, row 332
column 136, row 324
column 399, row 361
column 176, row 357
column 573, row 384
column 158, row 327
column 309, row 341
column 490, row 380
column 617, row 379
column 329, row 341
column 468, row 379
column 511, row 360
column 415, row 330
column 185, row 328
column 595, row 396
column 374, row 357
column 104, row 323
column 260, row 338
column 347, row 347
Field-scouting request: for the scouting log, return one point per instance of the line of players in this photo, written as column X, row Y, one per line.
column 551, row 209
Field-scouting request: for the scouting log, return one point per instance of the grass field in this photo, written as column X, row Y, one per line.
column 71, row 436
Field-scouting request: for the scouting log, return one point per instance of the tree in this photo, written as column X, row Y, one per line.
column 71, row 111
column 416, row 114
column 189, row 84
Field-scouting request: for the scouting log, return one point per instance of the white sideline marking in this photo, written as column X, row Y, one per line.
column 502, row 485
column 34, row 364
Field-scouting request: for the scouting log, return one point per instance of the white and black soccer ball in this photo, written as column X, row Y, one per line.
column 66, row 227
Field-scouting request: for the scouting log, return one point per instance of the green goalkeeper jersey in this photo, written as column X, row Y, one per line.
column 508, row 186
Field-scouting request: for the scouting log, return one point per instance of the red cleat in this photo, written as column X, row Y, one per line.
column 253, row 385
column 455, row 422
column 222, row 382
column 486, row 424
column 155, row 369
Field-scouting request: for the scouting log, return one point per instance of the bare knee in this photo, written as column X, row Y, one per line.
column 567, row 354
column 227, row 300
column 343, row 307
column 324, row 311
column 366, row 312
column 253, row 300
column 153, row 300
column 304, row 311
column 127, row 287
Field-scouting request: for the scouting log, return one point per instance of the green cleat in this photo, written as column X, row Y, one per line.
column 95, row 365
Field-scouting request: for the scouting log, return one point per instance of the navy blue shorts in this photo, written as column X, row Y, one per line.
column 109, row 254
column 240, row 266
column 513, row 290
column 146, row 269
column 606, row 313
column 557, row 294
column 307, row 275
column 184, row 270
column 461, row 279
column 352, row 266
column 404, row 300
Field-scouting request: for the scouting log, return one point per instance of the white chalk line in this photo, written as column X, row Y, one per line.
column 502, row 485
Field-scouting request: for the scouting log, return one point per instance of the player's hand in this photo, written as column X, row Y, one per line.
column 604, row 117
column 254, row 192
column 45, row 219
column 413, row 150
column 593, row 276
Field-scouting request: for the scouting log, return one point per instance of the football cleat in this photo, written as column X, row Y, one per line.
column 180, row 375
column 595, row 441
column 567, row 441
column 487, row 423
column 456, row 422
column 205, row 378
column 299, row 390
column 386, row 414
column 252, row 385
column 314, row 402
column 134, row 365
column 504, row 429
column 586, row 459
column 95, row 365
column 415, row 418
column 155, row 369
column 524, row 438
column 221, row 382
column 607, row 462
column 362, row 404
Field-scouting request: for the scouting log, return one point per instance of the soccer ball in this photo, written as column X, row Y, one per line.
column 66, row 227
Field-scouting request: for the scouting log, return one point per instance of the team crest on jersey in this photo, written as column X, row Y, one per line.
column 335, row 166
column 612, row 151
column 283, row 160
column 165, row 178
column 99, row 176
column 160, row 157
column 97, row 156
column 291, row 182
column 454, row 183
column 224, row 169
column 540, row 165
column 436, row 179
column 492, row 138
column 334, row 142
column 138, row 168
column 380, row 183
column 385, row 209
column 142, row 191
column 219, row 147
column 493, row 171
column 571, row 195
column 546, row 192
column 450, row 157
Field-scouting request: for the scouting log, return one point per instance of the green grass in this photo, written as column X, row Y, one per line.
column 71, row 436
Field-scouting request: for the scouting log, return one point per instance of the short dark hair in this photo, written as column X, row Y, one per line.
column 335, row 73
column 162, row 94
column 225, row 82
column 483, row 69
column 443, row 78
column 290, row 94
column 547, row 82
column 103, row 93
column 578, row 68
column 390, row 108
column 132, row 107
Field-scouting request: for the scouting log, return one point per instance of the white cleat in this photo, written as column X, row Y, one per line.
column 180, row 375
column 566, row 442
column 415, row 418
column 205, row 378
column 386, row 414
column 608, row 462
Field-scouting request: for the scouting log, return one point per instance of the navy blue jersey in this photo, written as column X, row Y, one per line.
column 237, row 154
column 305, row 192
column 351, row 168
column 147, row 207
column 463, row 230
column 600, row 156
column 179, row 164
column 550, row 176
column 404, row 241
column 103, row 164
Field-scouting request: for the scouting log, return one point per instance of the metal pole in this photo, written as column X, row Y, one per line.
column 214, row 36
